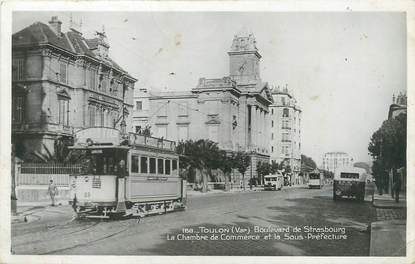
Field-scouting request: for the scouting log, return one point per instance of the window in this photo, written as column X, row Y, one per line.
column 162, row 109
column 138, row 105
column 162, row 131
column 18, row 69
column 285, row 112
column 63, row 112
column 17, row 113
column 160, row 166
column 213, row 132
column 272, row 136
column 283, row 100
column 143, row 164
column 137, row 129
column 63, row 71
column 174, row 166
column 104, row 83
column 272, row 149
column 183, row 132
column 91, row 111
column 182, row 109
column 134, row 164
column 91, row 80
column 167, row 166
column 272, row 111
column 153, row 165
column 285, row 137
column 272, row 123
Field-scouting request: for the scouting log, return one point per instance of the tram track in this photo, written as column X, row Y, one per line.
column 57, row 242
column 112, row 234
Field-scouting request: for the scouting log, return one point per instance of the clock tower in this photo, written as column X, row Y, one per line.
column 244, row 59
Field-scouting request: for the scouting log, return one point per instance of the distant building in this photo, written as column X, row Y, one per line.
column 333, row 160
column 62, row 82
column 141, row 109
column 232, row 111
column 285, row 130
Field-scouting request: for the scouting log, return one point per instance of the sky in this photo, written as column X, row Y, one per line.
column 342, row 67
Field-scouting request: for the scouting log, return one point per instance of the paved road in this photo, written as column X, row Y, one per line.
column 240, row 220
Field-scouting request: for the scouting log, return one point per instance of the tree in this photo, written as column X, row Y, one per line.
column 227, row 163
column 263, row 168
column 274, row 167
column 61, row 153
column 307, row 162
column 242, row 162
column 203, row 155
column 387, row 146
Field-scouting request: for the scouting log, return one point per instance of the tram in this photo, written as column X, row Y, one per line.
column 125, row 175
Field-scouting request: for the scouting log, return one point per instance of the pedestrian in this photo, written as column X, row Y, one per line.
column 396, row 185
column 52, row 191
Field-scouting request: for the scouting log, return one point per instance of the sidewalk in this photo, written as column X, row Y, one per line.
column 24, row 210
column 388, row 233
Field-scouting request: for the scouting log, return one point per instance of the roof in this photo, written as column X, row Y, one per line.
column 72, row 42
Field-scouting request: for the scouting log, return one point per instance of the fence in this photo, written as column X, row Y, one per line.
column 41, row 173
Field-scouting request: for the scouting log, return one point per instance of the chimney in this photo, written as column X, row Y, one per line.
column 55, row 24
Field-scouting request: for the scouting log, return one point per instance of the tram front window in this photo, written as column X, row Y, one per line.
column 104, row 162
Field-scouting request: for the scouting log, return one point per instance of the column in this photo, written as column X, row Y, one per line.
column 261, row 129
column 256, row 127
column 252, row 125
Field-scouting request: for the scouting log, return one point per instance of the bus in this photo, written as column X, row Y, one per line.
column 315, row 179
column 350, row 182
column 273, row 181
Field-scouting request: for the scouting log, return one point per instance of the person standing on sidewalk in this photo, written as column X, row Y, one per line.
column 52, row 191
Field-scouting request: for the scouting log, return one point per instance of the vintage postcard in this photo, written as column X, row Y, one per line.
column 207, row 132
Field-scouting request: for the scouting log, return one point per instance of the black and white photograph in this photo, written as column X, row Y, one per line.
column 200, row 132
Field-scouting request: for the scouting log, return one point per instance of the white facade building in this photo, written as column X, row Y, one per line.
column 333, row 160
column 285, row 130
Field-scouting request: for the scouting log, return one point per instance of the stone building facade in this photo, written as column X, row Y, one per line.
column 333, row 160
column 63, row 82
column 285, row 130
column 232, row 111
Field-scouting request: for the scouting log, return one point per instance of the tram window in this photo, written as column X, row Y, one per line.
column 167, row 164
column 160, row 166
column 111, row 165
column 104, row 165
column 134, row 163
column 152, row 165
column 174, row 166
column 143, row 164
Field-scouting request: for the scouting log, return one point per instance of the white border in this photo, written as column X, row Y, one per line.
column 7, row 7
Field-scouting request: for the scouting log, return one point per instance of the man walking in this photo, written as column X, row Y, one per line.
column 52, row 191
